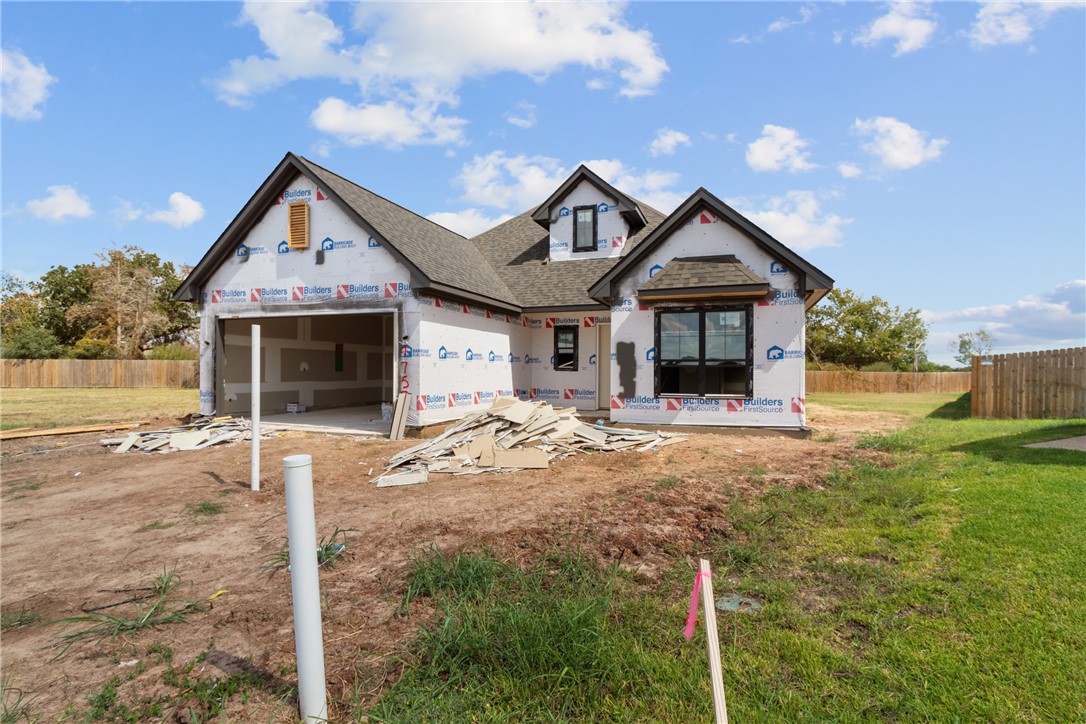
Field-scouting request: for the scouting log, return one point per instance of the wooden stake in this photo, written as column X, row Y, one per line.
column 708, row 605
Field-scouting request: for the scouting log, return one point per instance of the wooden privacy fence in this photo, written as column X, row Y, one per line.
column 856, row 381
column 99, row 373
column 1051, row 383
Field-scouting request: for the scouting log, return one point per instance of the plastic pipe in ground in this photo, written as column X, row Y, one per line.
column 305, row 588
column 254, row 467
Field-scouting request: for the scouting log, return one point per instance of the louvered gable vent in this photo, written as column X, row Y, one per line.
column 298, row 225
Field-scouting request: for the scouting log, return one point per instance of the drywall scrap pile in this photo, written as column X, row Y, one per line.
column 513, row 435
column 200, row 433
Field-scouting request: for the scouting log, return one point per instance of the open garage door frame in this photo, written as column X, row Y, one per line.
column 321, row 360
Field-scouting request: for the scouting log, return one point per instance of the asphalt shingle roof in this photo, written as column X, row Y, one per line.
column 518, row 250
column 442, row 255
column 703, row 272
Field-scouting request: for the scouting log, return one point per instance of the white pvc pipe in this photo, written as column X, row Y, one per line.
column 254, row 467
column 305, row 588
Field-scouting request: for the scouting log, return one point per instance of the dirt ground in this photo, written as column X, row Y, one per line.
column 75, row 517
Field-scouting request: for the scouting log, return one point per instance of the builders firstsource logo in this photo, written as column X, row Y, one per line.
column 431, row 402
column 302, row 294
column 782, row 298
column 635, row 403
column 358, row 291
column 761, row 405
column 396, row 289
column 578, row 394
column 562, row 322
column 456, row 399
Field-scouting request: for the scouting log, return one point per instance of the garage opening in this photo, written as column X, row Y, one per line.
column 318, row 362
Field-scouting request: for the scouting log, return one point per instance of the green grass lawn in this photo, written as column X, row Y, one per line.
column 946, row 586
column 83, row 406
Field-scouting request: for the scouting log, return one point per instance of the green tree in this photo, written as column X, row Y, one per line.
column 846, row 329
column 970, row 344
column 22, row 332
column 60, row 289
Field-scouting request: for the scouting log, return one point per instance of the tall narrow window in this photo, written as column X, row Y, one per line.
column 704, row 352
column 565, row 348
column 584, row 228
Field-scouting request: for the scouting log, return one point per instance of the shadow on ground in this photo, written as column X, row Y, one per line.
column 1009, row 448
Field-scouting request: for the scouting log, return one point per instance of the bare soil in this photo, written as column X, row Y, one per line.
column 74, row 519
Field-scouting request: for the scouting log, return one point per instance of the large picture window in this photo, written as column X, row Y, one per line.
column 565, row 348
column 704, row 352
column 584, row 228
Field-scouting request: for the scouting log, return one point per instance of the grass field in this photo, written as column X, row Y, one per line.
column 81, row 406
column 946, row 585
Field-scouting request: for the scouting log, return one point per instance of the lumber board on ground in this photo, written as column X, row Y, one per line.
column 44, row 432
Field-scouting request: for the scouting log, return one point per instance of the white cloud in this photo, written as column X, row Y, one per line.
column 805, row 15
column 519, row 183
column 667, row 141
column 322, row 148
column 514, row 183
column 896, row 144
column 62, row 202
column 848, row 170
column 778, row 148
column 743, row 39
column 795, row 219
column 469, row 222
column 408, row 63
column 909, row 23
column 389, row 124
column 125, row 211
column 1052, row 319
column 183, row 211
column 523, row 115
column 25, row 86
column 597, row 84
column 1012, row 23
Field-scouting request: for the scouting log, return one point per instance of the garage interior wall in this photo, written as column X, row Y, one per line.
column 321, row 361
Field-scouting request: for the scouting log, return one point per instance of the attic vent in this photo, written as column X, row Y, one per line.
column 298, row 225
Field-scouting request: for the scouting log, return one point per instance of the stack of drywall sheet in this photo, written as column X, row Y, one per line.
column 200, row 433
column 513, row 435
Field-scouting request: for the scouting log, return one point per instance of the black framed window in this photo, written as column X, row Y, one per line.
column 565, row 348
column 704, row 352
column 584, row 228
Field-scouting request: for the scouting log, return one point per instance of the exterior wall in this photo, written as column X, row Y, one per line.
column 265, row 279
column 576, row 388
column 459, row 358
column 611, row 228
column 778, row 346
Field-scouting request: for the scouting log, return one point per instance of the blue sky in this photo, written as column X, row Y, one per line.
column 932, row 154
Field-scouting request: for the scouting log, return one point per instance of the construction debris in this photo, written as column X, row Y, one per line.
column 513, row 435
column 201, row 432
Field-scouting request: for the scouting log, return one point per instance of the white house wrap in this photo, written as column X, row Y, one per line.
column 592, row 300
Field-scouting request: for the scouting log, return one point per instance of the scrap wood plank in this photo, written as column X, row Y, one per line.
column 128, row 442
column 399, row 417
column 44, row 432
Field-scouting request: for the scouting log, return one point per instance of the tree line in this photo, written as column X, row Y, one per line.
column 121, row 307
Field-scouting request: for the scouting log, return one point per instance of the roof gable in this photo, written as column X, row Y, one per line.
column 437, row 258
column 815, row 280
column 630, row 209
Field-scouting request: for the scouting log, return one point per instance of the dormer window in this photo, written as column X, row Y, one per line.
column 584, row 228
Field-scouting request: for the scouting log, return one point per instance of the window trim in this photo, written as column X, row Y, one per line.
column 747, row 309
column 595, row 228
column 576, row 346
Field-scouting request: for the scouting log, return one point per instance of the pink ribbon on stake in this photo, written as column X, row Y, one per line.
column 692, row 614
